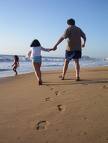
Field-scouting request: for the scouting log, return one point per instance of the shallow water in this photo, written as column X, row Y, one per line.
column 48, row 63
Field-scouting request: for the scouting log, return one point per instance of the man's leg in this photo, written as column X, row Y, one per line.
column 77, row 69
column 65, row 67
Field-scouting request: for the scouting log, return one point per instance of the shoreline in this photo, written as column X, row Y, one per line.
column 51, row 70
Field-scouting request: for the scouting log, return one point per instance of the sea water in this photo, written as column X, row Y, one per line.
column 48, row 63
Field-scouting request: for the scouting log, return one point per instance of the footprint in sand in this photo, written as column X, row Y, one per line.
column 85, row 118
column 63, row 92
column 105, row 86
column 60, row 107
column 84, row 83
column 18, row 138
column 47, row 99
column 56, row 93
column 106, row 139
column 42, row 125
column 85, row 133
column 51, row 88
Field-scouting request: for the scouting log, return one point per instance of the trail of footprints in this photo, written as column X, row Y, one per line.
column 43, row 124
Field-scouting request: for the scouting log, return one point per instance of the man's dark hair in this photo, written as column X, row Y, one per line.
column 35, row 43
column 71, row 21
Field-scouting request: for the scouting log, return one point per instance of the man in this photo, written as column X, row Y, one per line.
column 74, row 46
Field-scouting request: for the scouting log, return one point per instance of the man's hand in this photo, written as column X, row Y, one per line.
column 83, row 45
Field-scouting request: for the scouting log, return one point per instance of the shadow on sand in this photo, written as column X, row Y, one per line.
column 83, row 81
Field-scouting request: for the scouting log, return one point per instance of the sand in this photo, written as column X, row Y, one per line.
column 56, row 112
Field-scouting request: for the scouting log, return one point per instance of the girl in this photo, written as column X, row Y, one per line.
column 35, row 54
column 15, row 64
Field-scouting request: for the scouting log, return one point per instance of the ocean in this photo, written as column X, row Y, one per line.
column 48, row 63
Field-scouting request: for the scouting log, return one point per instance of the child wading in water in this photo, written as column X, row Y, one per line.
column 35, row 54
column 15, row 64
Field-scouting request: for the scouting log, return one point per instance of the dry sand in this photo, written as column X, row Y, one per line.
column 57, row 112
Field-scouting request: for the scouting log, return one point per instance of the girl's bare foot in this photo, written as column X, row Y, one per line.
column 77, row 78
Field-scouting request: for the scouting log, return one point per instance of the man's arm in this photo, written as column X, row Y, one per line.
column 84, row 38
column 83, row 45
column 64, row 36
column 46, row 49
column 58, row 42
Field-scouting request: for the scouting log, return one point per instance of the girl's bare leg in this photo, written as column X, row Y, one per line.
column 14, row 69
column 38, row 72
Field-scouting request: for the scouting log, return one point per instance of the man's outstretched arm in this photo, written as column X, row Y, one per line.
column 58, row 42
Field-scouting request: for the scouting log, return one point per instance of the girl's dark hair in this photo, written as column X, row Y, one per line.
column 71, row 21
column 35, row 43
column 16, row 58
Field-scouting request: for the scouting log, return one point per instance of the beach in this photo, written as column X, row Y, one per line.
column 59, row 111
